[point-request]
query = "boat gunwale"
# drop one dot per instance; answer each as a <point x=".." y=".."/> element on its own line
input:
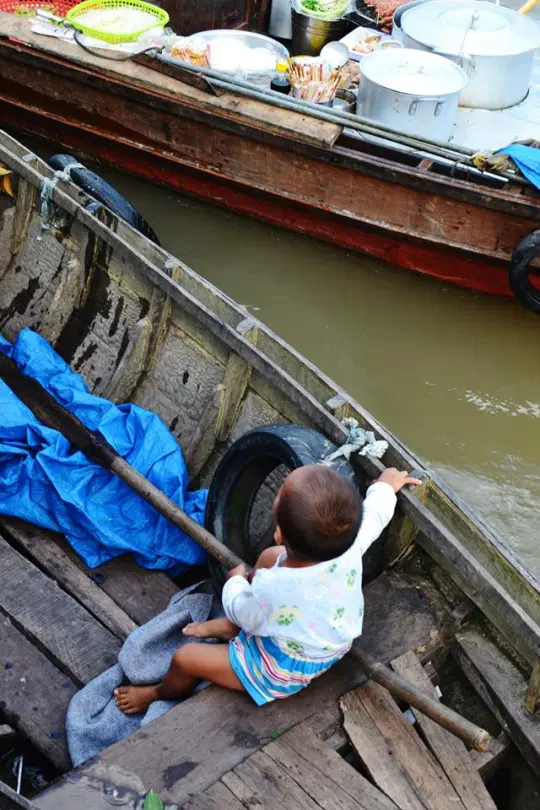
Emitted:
<point x="148" y="258"/>
<point x="385" y="169"/>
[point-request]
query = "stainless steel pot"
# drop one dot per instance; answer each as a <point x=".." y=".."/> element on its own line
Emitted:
<point x="494" y="45"/>
<point x="417" y="93"/>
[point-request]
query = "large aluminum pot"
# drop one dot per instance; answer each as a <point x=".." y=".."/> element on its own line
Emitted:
<point x="494" y="45"/>
<point x="397" y="33"/>
<point x="411" y="91"/>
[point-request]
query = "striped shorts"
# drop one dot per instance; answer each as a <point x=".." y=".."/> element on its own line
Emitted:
<point x="267" y="673"/>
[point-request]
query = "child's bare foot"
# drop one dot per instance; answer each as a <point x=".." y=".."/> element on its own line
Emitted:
<point x="135" y="699"/>
<point x="215" y="628"/>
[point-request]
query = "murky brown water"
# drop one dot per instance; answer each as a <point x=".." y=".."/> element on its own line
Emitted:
<point x="455" y="375"/>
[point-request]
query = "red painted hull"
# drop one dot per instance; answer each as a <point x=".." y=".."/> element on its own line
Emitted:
<point x="448" y="229"/>
<point x="440" y="262"/>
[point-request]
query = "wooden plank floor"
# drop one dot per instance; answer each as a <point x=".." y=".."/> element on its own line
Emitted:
<point x="299" y="771"/>
<point x="60" y="625"/>
<point x="191" y="747"/>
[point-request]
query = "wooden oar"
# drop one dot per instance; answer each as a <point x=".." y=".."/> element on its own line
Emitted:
<point x="49" y="411"/>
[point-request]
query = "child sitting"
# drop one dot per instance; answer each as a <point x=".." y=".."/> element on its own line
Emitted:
<point x="300" y="609"/>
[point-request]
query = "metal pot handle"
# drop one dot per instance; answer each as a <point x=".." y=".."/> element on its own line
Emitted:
<point x="414" y="106"/>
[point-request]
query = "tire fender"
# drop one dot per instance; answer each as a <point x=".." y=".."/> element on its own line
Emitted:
<point x="527" y="250"/>
<point x="240" y="475"/>
<point x="106" y="194"/>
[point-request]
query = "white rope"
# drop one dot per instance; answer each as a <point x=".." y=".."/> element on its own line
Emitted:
<point x="47" y="188"/>
<point x="358" y="441"/>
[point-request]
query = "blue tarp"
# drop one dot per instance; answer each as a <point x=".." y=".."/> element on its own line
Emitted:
<point x="527" y="159"/>
<point x="45" y="481"/>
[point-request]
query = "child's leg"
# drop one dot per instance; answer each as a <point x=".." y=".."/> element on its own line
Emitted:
<point x="190" y="664"/>
<point x="223" y="628"/>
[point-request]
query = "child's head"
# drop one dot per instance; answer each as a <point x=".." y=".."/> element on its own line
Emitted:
<point x="317" y="513"/>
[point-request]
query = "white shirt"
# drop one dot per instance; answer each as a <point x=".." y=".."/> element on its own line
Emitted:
<point x="316" y="611"/>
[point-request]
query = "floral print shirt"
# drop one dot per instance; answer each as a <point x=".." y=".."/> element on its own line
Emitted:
<point x="316" y="611"/>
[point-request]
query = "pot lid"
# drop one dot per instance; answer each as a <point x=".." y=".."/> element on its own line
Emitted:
<point x="471" y="28"/>
<point x="416" y="73"/>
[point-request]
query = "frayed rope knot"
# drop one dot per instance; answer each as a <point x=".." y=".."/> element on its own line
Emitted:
<point x="358" y="441"/>
<point x="47" y="188"/>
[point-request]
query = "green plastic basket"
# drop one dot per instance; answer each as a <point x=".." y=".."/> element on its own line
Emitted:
<point x="161" y="18"/>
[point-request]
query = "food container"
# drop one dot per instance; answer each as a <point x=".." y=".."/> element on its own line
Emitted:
<point x="494" y="45"/>
<point x="411" y="91"/>
<point x="247" y="56"/>
<point x="310" y="34"/>
<point x="363" y="40"/>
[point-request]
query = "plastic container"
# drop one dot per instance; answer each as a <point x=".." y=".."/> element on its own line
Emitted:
<point x="310" y="35"/>
<point x="156" y="18"/>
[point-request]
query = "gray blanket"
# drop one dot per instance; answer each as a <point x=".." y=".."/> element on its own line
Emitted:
<point x="93" y="721"/>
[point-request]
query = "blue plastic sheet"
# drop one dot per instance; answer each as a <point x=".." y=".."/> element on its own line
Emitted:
<point x="527" y="159"/>
<point x="44" y="480"/>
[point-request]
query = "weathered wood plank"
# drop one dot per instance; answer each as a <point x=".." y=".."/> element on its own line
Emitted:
<point x="34" y="695"/>
<point x="310" y="779"/>
<point x="404" y="748"/>
<point x="78" y="643"/>
<point x="451" y="753"/>
<point x="208" y="735"/>
<point x="138" y="592"/>
<point x="270" y="784"/>
<point x="500" y="684"/>
<point x="45" y="549"/>
<point x="217" y="797"/>
<point x="319" y="754"/>
<point x="313" y="779"/>
<point x="377" y="754"/>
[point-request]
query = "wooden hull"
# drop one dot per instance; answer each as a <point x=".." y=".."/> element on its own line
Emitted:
<point x="140" y="326"/>
<point x="141" y="122"/>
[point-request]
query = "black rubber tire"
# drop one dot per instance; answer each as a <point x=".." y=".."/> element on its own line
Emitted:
<point x="105" y="193"/>
<point x="242" y="471"/>
<point x="527" y="250"/>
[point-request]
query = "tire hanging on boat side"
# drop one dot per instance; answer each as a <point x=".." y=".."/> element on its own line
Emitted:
<point x="240" y="476"/>
<point x="105" y="193"/>
<point x="522" y="287"/>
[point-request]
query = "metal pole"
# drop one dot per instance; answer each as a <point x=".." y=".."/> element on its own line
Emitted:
<point x="456" y="154"/>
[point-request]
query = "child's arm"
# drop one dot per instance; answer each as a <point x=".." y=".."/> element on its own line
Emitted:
<point x="379" y="505"/>
<point x="241" y="606"/>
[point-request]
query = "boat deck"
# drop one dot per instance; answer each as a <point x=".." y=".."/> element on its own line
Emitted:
<point x="62" y="624"/>
<point x="343" y="743"/>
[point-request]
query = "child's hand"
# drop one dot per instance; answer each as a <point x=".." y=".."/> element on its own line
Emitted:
<point x="397" y="479"/>
<point x="239" y="571"/>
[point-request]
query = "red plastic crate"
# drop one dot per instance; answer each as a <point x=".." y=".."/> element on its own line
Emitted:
<point x="59" y="7"/>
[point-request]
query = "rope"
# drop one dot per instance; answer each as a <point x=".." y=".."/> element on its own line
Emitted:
<point x="358" y="441"/>
<point x="47" y="187"/>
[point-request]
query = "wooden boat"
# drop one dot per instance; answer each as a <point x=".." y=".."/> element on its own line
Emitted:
<point x="141" y="326"/>
<point x="307" y="175"/>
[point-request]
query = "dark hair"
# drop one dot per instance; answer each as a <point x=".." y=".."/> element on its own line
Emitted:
<point x="318" y="513"/>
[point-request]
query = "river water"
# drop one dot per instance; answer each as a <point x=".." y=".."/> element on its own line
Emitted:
<point x="454" y="374"/>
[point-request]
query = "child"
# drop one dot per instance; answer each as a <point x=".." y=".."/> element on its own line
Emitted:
<point x="301" y="608"/>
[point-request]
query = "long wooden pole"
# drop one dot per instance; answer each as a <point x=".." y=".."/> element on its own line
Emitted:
<point x="49" y="411"/>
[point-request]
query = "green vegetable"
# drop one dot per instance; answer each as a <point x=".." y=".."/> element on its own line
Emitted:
<point x="325" y="9"/>
<point x="152" y="801"/>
